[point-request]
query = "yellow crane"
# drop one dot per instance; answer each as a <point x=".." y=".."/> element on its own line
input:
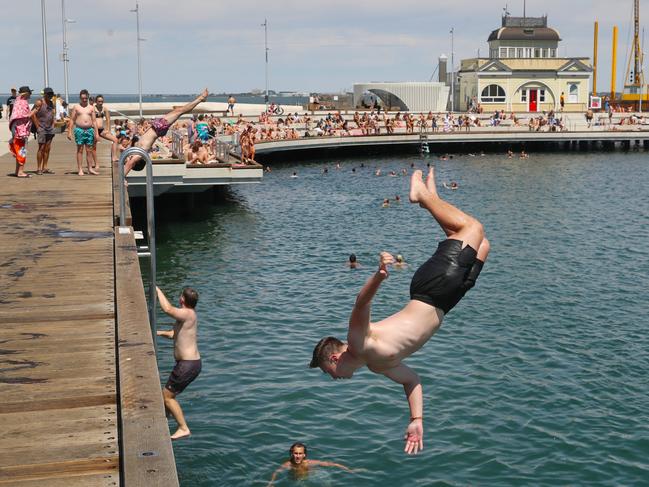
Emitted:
<point x="634" y="86"/>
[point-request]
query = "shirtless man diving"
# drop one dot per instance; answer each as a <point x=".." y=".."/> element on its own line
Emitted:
<point x="188" y="360"/>
<point x="159" y="127"/>
<point x="436" y="288"/>
<point x="85" y="131"/>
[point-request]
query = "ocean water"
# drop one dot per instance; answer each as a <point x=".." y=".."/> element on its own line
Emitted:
<point x="540" y="376"/>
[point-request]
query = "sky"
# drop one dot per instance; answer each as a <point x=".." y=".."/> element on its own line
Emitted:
<point x="313" y="46"/>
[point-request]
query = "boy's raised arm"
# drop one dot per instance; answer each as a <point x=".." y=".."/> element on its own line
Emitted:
<point x="176" y="313"/>
<point x="360" y="316"/>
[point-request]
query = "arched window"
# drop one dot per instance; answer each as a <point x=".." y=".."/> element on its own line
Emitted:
<point x="573" y="92"/>
<point x="493" y="94"/>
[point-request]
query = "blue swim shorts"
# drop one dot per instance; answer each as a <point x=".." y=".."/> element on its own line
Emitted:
<point x="84" y="136"/>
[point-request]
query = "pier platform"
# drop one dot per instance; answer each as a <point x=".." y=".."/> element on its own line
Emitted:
<point x="78" y="374"/>
<point x="460" y="140"/>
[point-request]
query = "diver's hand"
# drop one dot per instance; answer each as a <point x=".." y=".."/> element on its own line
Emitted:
<point x="414" y="437"/>
<point x="385" y="260"/>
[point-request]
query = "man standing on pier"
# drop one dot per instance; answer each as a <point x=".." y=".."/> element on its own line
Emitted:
<point x="85" y="131"/>
<point x="188" y="360"/>
<point x="438" y="285"/>
<point x="43" y="116"/>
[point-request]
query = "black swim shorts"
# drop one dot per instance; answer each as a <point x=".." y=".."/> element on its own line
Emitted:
<point x="446" y="277"/>
<point x="183" y="374"/>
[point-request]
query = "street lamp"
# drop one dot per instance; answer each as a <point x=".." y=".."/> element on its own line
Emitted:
<point x="64" y="55"/>
<point x="139" y="64"/>
<point x="46" y="77"/>
<point x="265" y="26"/>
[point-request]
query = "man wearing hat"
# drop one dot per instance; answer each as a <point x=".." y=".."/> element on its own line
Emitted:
<point x="20" y="123"/>
<point x="43" y="118"/>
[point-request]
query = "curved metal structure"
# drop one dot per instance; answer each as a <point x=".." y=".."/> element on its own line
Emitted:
<point x="407" y="96"/>
<point x="150" y="219"/>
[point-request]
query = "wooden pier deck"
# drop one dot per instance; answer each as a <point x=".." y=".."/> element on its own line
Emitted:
<point x="80" y="390"/>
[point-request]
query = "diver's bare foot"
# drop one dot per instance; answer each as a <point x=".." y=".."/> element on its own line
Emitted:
<point x="92" y="171"/>
<point x="430" y="181"/>
<point x="81" y="173"/>
<point x="418" y="190"/>
<point x="203" y="96"/>
<point x="181" y="433"/>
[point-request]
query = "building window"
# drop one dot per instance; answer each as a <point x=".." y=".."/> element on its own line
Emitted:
<point x="493" y="94"/>
<point x="553" y="52"/>
<point x="519" y="52"/>
<point x="503" y="52"/>
<point x="573" y="93"/>
<point x="528" y="52"/>
<point x="537" y="52"/>
<point x="541" y="96"/>
<point x="511" y="52"/>
<point x="524" y="96"/>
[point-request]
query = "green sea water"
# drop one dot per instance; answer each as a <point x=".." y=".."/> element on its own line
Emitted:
<point x="540" y="376"/>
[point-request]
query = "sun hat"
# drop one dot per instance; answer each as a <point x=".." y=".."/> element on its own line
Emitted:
<point x="24" y="89"/>
<point x="48" y="91"/>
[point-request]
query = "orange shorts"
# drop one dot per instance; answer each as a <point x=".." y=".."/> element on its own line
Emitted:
<point x="18" y="148"/>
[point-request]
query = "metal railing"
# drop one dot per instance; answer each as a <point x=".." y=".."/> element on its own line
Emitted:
<point x="177" y="145"/>
<point x="221" y="149"/>
<point x="150" y="219"/>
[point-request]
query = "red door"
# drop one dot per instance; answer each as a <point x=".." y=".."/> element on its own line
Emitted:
<point x="533" y="104"/>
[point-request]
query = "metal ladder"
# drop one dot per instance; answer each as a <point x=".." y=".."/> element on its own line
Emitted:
<point x="423" y="142"/>
<point x="142" y="251"/>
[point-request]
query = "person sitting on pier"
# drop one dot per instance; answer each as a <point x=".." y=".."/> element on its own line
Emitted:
<point x="438" y="285"/>
<point x="299" y="465"/>
<point x="188" y="359"/>
<point x="159" y="128"/>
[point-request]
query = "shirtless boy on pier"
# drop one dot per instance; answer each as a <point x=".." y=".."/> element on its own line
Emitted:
<point x="188" y="360"/>
<point x="436" y="288"/>
<point x="85" y="131"/>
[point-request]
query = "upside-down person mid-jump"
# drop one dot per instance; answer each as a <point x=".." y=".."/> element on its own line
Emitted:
<point x="437" y="286"/>
<point x="160" y="126"/>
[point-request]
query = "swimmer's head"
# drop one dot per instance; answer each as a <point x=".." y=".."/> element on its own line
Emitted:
<point x="399" y="258"/>
<point x="352" y="258"/>
<point x="326" y="355"/>
<point x="297" y="453"/>
<point x="189" y="297"/>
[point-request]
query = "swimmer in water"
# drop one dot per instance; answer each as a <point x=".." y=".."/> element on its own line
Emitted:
<point x="397" y="199"/>
<point x="294" y="175"/>
<point x="352" y="263"/>
<point x="386" y="203"/>
<point x="299" y="465"/>
<point x="524" y="155"/>
<point x="437" y="286"/>
<point x="400" y="263"/>
<point x="377" y="172"/>
<point x="452" y="185"/>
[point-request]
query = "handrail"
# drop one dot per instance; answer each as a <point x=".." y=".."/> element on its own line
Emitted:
<point x="177" y="144"/>
<point x="150" y="219"/>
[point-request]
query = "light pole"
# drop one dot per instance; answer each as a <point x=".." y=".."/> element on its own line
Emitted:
<point x="265" y="26"/>
<point x="452" y="70"/>
<point x="139" y="63"/>
<point x="46" y="76"/>
<point x="64" y="54"/>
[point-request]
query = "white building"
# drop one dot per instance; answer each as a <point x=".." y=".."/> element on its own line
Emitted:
<point x="405" y="96"/>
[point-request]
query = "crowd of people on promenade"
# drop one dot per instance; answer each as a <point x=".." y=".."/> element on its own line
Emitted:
<point x="89" y="121"/>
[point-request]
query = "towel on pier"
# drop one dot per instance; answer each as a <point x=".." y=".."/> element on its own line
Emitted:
<point x="20" y="122"/>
